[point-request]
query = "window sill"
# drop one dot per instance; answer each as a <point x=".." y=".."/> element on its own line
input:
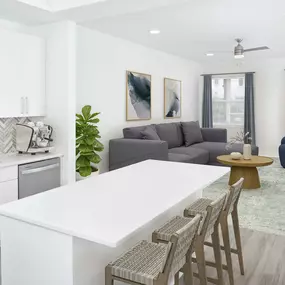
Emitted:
<point x="228" y="126"/>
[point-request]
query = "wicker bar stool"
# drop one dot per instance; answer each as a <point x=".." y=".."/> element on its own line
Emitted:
<point x="163" y="235"/>
<point x="230" y="208"/>
<point x="209" y="227"/>
<point x="151" y="263"/>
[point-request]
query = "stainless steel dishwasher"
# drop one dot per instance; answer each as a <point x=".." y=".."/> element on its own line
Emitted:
<point x="38" y="177"/>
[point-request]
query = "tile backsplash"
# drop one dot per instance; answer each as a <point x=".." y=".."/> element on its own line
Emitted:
<point x="8" y="133"/>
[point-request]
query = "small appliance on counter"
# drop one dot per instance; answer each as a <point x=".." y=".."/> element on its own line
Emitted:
<point x="33" y="138"/>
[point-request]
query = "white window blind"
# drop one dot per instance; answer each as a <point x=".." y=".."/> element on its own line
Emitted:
<point x="228" y="100"/>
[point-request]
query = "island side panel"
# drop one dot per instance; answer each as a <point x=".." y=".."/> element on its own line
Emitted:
<point x="34" y="255"/>
<point x="90" y="259"/>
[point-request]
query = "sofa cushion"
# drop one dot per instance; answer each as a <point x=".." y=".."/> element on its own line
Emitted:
<point x="171" y="133"/>
<point x="178" y="157"/>
<point x="149" y="133"/>
<point x="196" y="155"/>
<point x="218" y="148"/>
<point x="134" y="132"/>
<point x="192" y="133"/>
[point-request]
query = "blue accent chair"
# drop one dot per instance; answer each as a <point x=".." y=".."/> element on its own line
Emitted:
<point x="282" y="152"/>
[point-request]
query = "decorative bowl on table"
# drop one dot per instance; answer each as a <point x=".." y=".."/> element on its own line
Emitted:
<point x="236" y="155"/>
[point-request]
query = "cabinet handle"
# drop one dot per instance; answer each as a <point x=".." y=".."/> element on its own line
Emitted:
<point x="40" y="169"/>
<point x="27" y="105"/>
<point x="22" y="105"/>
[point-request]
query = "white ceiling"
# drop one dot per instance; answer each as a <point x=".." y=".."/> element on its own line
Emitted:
<point x="189" y="28"/>
<point x="58" y="5"/>
<point x="195" y="27"/>
<point x="35" y="12"/>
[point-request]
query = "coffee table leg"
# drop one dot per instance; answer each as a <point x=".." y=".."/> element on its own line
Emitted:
<point x="250" y="175"/>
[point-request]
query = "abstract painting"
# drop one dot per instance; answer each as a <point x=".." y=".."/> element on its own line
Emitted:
<point x="172" y="98"/>
<point x="138" y="96"/>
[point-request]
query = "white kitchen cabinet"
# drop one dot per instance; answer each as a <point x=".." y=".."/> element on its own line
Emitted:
<point x="8" y="184"/>
<point x="8" y="191"/>
<point x="22" y="73"/>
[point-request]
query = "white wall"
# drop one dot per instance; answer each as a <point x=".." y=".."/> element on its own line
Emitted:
<point x="269" y="98"/>
<point x="12" y="26"/>
<point x="102" y="61"/>
<point x="61" y="89"/>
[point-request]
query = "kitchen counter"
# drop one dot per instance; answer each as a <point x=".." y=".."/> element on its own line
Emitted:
<point x="71" y="233"/>
<point x="17" y="159"/>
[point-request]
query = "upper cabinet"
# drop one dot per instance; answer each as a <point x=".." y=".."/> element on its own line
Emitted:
<point x="22" y="75"/>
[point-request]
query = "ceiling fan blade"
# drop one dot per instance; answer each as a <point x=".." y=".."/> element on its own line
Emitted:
<point x="256" y="49"/>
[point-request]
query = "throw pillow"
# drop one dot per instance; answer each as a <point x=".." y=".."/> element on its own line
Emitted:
<point x="149" y="133"/>
<point x="192" y="133"/>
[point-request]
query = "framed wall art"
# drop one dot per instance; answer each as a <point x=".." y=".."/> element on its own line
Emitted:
<point x="138" y="101"/>
<point x="172" y="98"/>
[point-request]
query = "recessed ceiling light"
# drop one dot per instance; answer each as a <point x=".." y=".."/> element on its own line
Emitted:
<point x="209" y="54"/>
<point x="154" y="32"/>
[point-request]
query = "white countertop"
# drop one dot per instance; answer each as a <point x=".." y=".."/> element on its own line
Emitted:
<point x="108" y="208"/>
<point x="17" y="159"/>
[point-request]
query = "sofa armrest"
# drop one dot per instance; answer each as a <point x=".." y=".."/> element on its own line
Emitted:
<point x="214" y="135"/>
<point x="123" y="152"/>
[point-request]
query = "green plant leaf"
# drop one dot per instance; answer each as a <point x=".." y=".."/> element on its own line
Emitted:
<point x="85" y="171"/>
<point x="86" y="111"/>
<point x="98" y="144"/>
<point x="94" y="121"/>
<point x="80" y="117"/>
<point x="99" y="148"/>
<point x="94" y="115"/>
<point x="92" y="131"/>
<point x="80" y="122"/>
<point x="87" y="153"/>
<point x="85" y="148"/>
<point x="77" y="151"/>
<point x="79" y="140"/>
<point x="90" y="140"/>
<point x="82" y="161"/>
<point x="95" y="158"/>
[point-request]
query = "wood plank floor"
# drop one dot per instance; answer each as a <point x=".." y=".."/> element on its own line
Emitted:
<point x="264" y="260"/>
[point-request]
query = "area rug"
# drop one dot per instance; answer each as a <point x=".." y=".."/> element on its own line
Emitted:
<point x="262" y="209"/>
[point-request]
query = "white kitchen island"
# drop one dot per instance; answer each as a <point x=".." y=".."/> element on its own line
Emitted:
<point x="68" y="235"/>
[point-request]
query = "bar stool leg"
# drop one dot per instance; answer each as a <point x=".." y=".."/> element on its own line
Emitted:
<point x="108" y="277"/>
<point x="188" y="274"/>
<point x="176" y="279"/>
<point x="227" y="246"/>
<point x="238" y="240"/>
<point x="218" y="256"/>
<point x="201" y="262"/>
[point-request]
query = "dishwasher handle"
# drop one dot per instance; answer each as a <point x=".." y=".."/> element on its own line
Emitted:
<point x="40" y="169"/>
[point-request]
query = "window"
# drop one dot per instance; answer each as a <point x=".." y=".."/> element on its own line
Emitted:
<point x="228" y="100"/>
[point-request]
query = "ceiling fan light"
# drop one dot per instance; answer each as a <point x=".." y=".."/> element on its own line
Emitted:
<point x="239" y="56"/>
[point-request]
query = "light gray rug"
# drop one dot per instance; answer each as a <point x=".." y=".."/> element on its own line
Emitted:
<point x="262" y="209"/>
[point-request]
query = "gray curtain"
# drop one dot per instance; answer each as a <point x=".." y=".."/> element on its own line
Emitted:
<point x="249" y="117"/>
<point x="207" y="109"/>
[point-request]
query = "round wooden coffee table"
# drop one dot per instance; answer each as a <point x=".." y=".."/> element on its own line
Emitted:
<point x="246" y="169"/>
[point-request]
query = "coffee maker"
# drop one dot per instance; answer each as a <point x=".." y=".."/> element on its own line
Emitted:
<point x="33" y="138"/>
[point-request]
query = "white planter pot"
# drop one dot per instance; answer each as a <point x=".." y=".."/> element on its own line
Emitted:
<point x="79" y="177"/>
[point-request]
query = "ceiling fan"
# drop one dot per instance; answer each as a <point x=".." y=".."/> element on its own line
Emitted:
<point x="239" y="50"/>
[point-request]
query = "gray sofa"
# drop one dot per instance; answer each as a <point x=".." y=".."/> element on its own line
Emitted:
<point x="170" y="146"/>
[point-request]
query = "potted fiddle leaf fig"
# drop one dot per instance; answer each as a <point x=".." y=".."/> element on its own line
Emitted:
<point x="87" y="143"/>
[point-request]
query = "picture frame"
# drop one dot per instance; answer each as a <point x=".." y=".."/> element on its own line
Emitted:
<point x="172" y="98"/>
<point x="138" y="96"/>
